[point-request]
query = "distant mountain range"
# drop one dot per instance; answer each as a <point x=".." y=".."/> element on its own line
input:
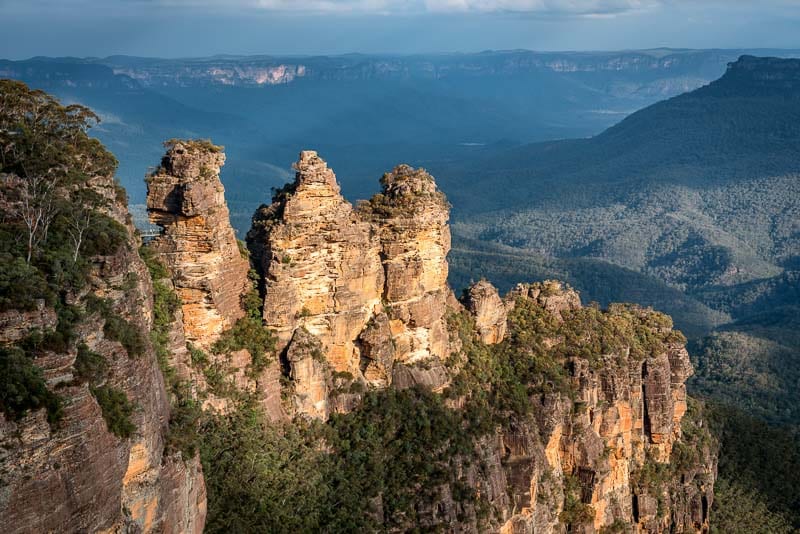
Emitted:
<point x="364" y="113"/>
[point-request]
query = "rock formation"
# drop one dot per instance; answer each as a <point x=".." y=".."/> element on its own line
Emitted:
<point x="588" y="458"/>
<point x="207" y="270"/>
<point x="411" y="218"/>
<point x="624" y="421"/>
<point x="186" y="199"/>
<point x="369" y="284"/>
<point x="358" y="299"/>
<point x="490" y="312"/>
<point x="321" y="264"/>
<point x="78" y="476"/>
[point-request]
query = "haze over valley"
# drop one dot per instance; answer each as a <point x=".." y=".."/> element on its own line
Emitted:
<point x="469" y="266"/>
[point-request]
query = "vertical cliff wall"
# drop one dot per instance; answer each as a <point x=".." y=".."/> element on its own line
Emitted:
<point x="78" y="476"/>
<point x="208" y="271"/>
<point x="613" y="443"/>
<point x="186" y="199"/>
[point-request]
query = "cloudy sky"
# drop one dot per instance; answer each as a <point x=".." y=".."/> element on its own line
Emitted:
<point x="181" y="28"/>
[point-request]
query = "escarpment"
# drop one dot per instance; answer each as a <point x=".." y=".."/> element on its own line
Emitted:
<point x="96" y="458"/>
<point x="526" y="413"/>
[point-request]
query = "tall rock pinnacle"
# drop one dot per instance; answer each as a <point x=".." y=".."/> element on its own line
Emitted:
<point x="186" y="198"/>
<point x="321" y="263"/>
<point x="369" y="284"/>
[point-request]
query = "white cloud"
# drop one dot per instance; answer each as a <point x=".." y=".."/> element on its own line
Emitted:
<point x="582" y="7"/>
<point x="576" y="7"/>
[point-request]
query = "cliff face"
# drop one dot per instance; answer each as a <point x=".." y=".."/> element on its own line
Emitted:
<point x="186" y="199"/>
<point x="368" y="284"/>
<point x="617" y="444"/>
<point x="78" y="476"/>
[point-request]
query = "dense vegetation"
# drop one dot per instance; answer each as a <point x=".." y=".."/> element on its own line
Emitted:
<point x="54" y="224"/>
<point x="596" y="281"/>
<point x="383" y="465"/>
<point x="697" y="194"/>
<point x="758" y="489"/>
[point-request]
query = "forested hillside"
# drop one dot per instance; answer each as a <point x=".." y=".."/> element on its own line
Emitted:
<point x="693" y="206"/>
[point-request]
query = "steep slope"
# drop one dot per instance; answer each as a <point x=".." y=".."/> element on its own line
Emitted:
<point x="699" y="192"/>
<point x="742" y="125"/>
<point x="84" y="427"/>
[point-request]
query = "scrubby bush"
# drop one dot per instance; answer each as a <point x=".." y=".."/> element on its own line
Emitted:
<point x="117" y="410"/>
<point x="89" y="365"/>
<point x="118" y="328"/>
<point x="22" y="387"/>
<point x="22" y="286"/>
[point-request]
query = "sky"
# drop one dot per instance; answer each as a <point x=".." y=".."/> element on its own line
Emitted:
<point x="187" y="28"/>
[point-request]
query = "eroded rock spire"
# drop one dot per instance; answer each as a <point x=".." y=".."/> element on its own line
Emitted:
<point x="186" y="199"/>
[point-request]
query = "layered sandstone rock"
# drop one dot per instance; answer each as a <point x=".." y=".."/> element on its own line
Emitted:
<point x="625" y="419"/>
<point x="369" y="284"/>
<point x="410" y="215"/>
<point x="186" y="199"/>
<point x="78" y="476"/>
<point x="490" y="313"/>
<point x="321" y="264"/>
<point x="308" y="371"/>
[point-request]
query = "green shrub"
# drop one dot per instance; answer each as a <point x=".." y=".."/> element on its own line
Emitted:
<point x="117" y="410"/>
<point x="103" y="237"/>
<point x="575" y="511"/>
<point x="23" y="388"/>
<point x="156" y="268"/>
<point x="117" y="328"/>
<point x="248" y="333"/>
<point x="195" y="144"/>
<point x="89" y="365"/>
<point x="184" y="421"/>
<point x="21" y="285"/>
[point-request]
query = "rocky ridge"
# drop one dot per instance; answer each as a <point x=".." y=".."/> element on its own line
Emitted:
<point x="359" y="296"/>
<point x="593" y="437"/>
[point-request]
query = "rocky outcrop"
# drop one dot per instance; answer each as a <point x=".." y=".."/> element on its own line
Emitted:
<point x="551" y="295"/>
<point x="620" y="429"/>
<point x="321" y="264"/>
<point x="484" y="303"/>
<point x="368" y="284"/>
<point x="16" y="324"/>
<point x="186" y="199"/>
<point x="309" y="374"/>
<point x="77" y="476"/>
<point x="410" y="215"/>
